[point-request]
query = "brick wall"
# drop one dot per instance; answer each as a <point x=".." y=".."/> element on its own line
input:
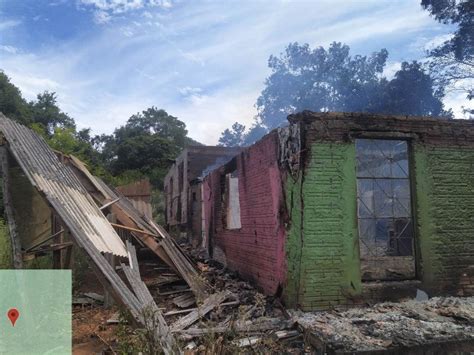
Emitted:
<point x="327" y="272"/>
<point x="445" y="216"/>
<point x="256" y="250"/>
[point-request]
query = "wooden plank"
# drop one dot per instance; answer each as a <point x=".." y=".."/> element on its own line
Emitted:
<point x="185" y="300"/>
<point x="95" y="296"/>
<point x="239" y="327"/>
<point x="151" y="315"/>
<point x="136" y="230"/>
<point x="109" y="204"/>
<point x="183" y="264"/>
<point x="208" y="305"/>
<point x="182" y="311"/>
<point x="8" y="207"/>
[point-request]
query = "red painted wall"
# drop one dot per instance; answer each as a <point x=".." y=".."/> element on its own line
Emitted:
<point x="256" y="250"/>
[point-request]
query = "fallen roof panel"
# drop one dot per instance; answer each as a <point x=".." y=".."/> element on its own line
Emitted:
<point x="61" y="187"/>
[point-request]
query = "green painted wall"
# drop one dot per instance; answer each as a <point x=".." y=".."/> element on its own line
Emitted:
<point x="294" y="239"/>
<point x="322" y="246"/>
<point x="444" y="180"/>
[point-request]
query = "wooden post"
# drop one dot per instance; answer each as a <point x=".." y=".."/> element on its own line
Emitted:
<point x="58" y="239"/>
<point x="7" y="203"/>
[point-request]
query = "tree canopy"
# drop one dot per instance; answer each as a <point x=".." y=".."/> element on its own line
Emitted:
<point x="452" y="62"/>
<point x="332" y="80"/>
<point x="146" y="145"/>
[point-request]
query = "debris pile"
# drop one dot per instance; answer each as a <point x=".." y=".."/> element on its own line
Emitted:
<point x="235" y="315"/>
<point x="385" y="326"/>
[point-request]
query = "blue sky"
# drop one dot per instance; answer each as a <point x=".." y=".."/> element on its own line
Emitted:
<point x="202" y="61"/>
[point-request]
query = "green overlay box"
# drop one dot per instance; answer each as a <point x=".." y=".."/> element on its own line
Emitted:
<point x="42" y="324"/>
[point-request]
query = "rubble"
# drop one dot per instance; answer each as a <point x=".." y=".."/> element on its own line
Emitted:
<point x="389" y="325"/>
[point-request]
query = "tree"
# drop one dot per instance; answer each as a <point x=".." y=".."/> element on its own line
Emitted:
<point x="412" y="92"/>
<point x="12" y="103"/>
<point x="333" y="80"/>
<point x="319" y="80"/>
<point x="147" y="144"/>
<point x="255" y="132"/>
<point x="452" y="62"/>
<point x="46" y="112"/>
<point x="233" y="137"/>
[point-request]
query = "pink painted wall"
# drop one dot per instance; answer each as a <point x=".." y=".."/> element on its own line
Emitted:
<point x="256" y="250"/>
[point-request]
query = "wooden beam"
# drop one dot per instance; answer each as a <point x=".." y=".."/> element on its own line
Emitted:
<point x="208" y="305"/>
<point x="131" y="229"/>
<point x="8" y="205"/>
<point x="44" y="241"/>
<point x="109" y="204"/>
<point x="151" y="315"/>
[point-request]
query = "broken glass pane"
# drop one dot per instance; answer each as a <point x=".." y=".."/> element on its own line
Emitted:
<point x="400" y="159"/>
<point x="383" y="198"/>
<point x="367" y="238"/>
<point x="401" y="198"/>
<point x="365" y="192"/>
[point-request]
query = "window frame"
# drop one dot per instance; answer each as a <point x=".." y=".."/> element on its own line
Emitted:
<point x="408" y="138"/>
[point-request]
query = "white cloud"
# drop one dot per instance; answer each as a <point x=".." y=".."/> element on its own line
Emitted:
<point x="9" y="49"/>
<point x="101" y="17"/>
<point x="188" y="90"/>
<point x="436" y="41"/>
<point x="390" y="69"/>
<point x="104" y="10"/>
<point x="115" y="6"/>
<point x="9" y="24"/>
<point x="206" y="116"/>
<point x="457" y="102"/>
<point x="147" y="14"/>
<point x="32" y="85"/>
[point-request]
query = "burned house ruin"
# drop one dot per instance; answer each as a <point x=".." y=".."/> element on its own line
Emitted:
<point x="343" y="208"/>
<point x="182" y="184"/>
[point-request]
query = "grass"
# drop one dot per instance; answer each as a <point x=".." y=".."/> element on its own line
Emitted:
<point x="6" y="261"/>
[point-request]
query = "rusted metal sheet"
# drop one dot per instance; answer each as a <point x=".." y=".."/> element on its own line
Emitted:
<point x="151" y="235"/>
<point x="60" y="186"/>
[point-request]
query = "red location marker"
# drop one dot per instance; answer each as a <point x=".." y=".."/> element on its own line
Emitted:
<point x="13" y="315"/>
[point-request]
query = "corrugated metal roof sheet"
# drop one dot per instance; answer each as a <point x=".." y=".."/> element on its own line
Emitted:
<point x="61" y="187"/>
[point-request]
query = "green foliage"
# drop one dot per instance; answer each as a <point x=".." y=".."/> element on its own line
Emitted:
<point x="332" y="80"/>
<point x="46" y="112"/>
<point x="452" y="62"/>
<point x="233" y="137"/>
<point x="411" y="92"/>
<point x="460" y="13"/>
<point x="144" y="147"/>
<point x="319" y="80"/>
<point x="12" y="103"/>
<point x="6" y="261"/>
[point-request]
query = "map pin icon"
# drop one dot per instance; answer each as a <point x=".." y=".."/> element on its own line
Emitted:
<point x="13" y="315"/>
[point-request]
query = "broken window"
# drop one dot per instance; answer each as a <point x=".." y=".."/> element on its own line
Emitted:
<point x="232" y="201"/>
<point x="384" y="209"/>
